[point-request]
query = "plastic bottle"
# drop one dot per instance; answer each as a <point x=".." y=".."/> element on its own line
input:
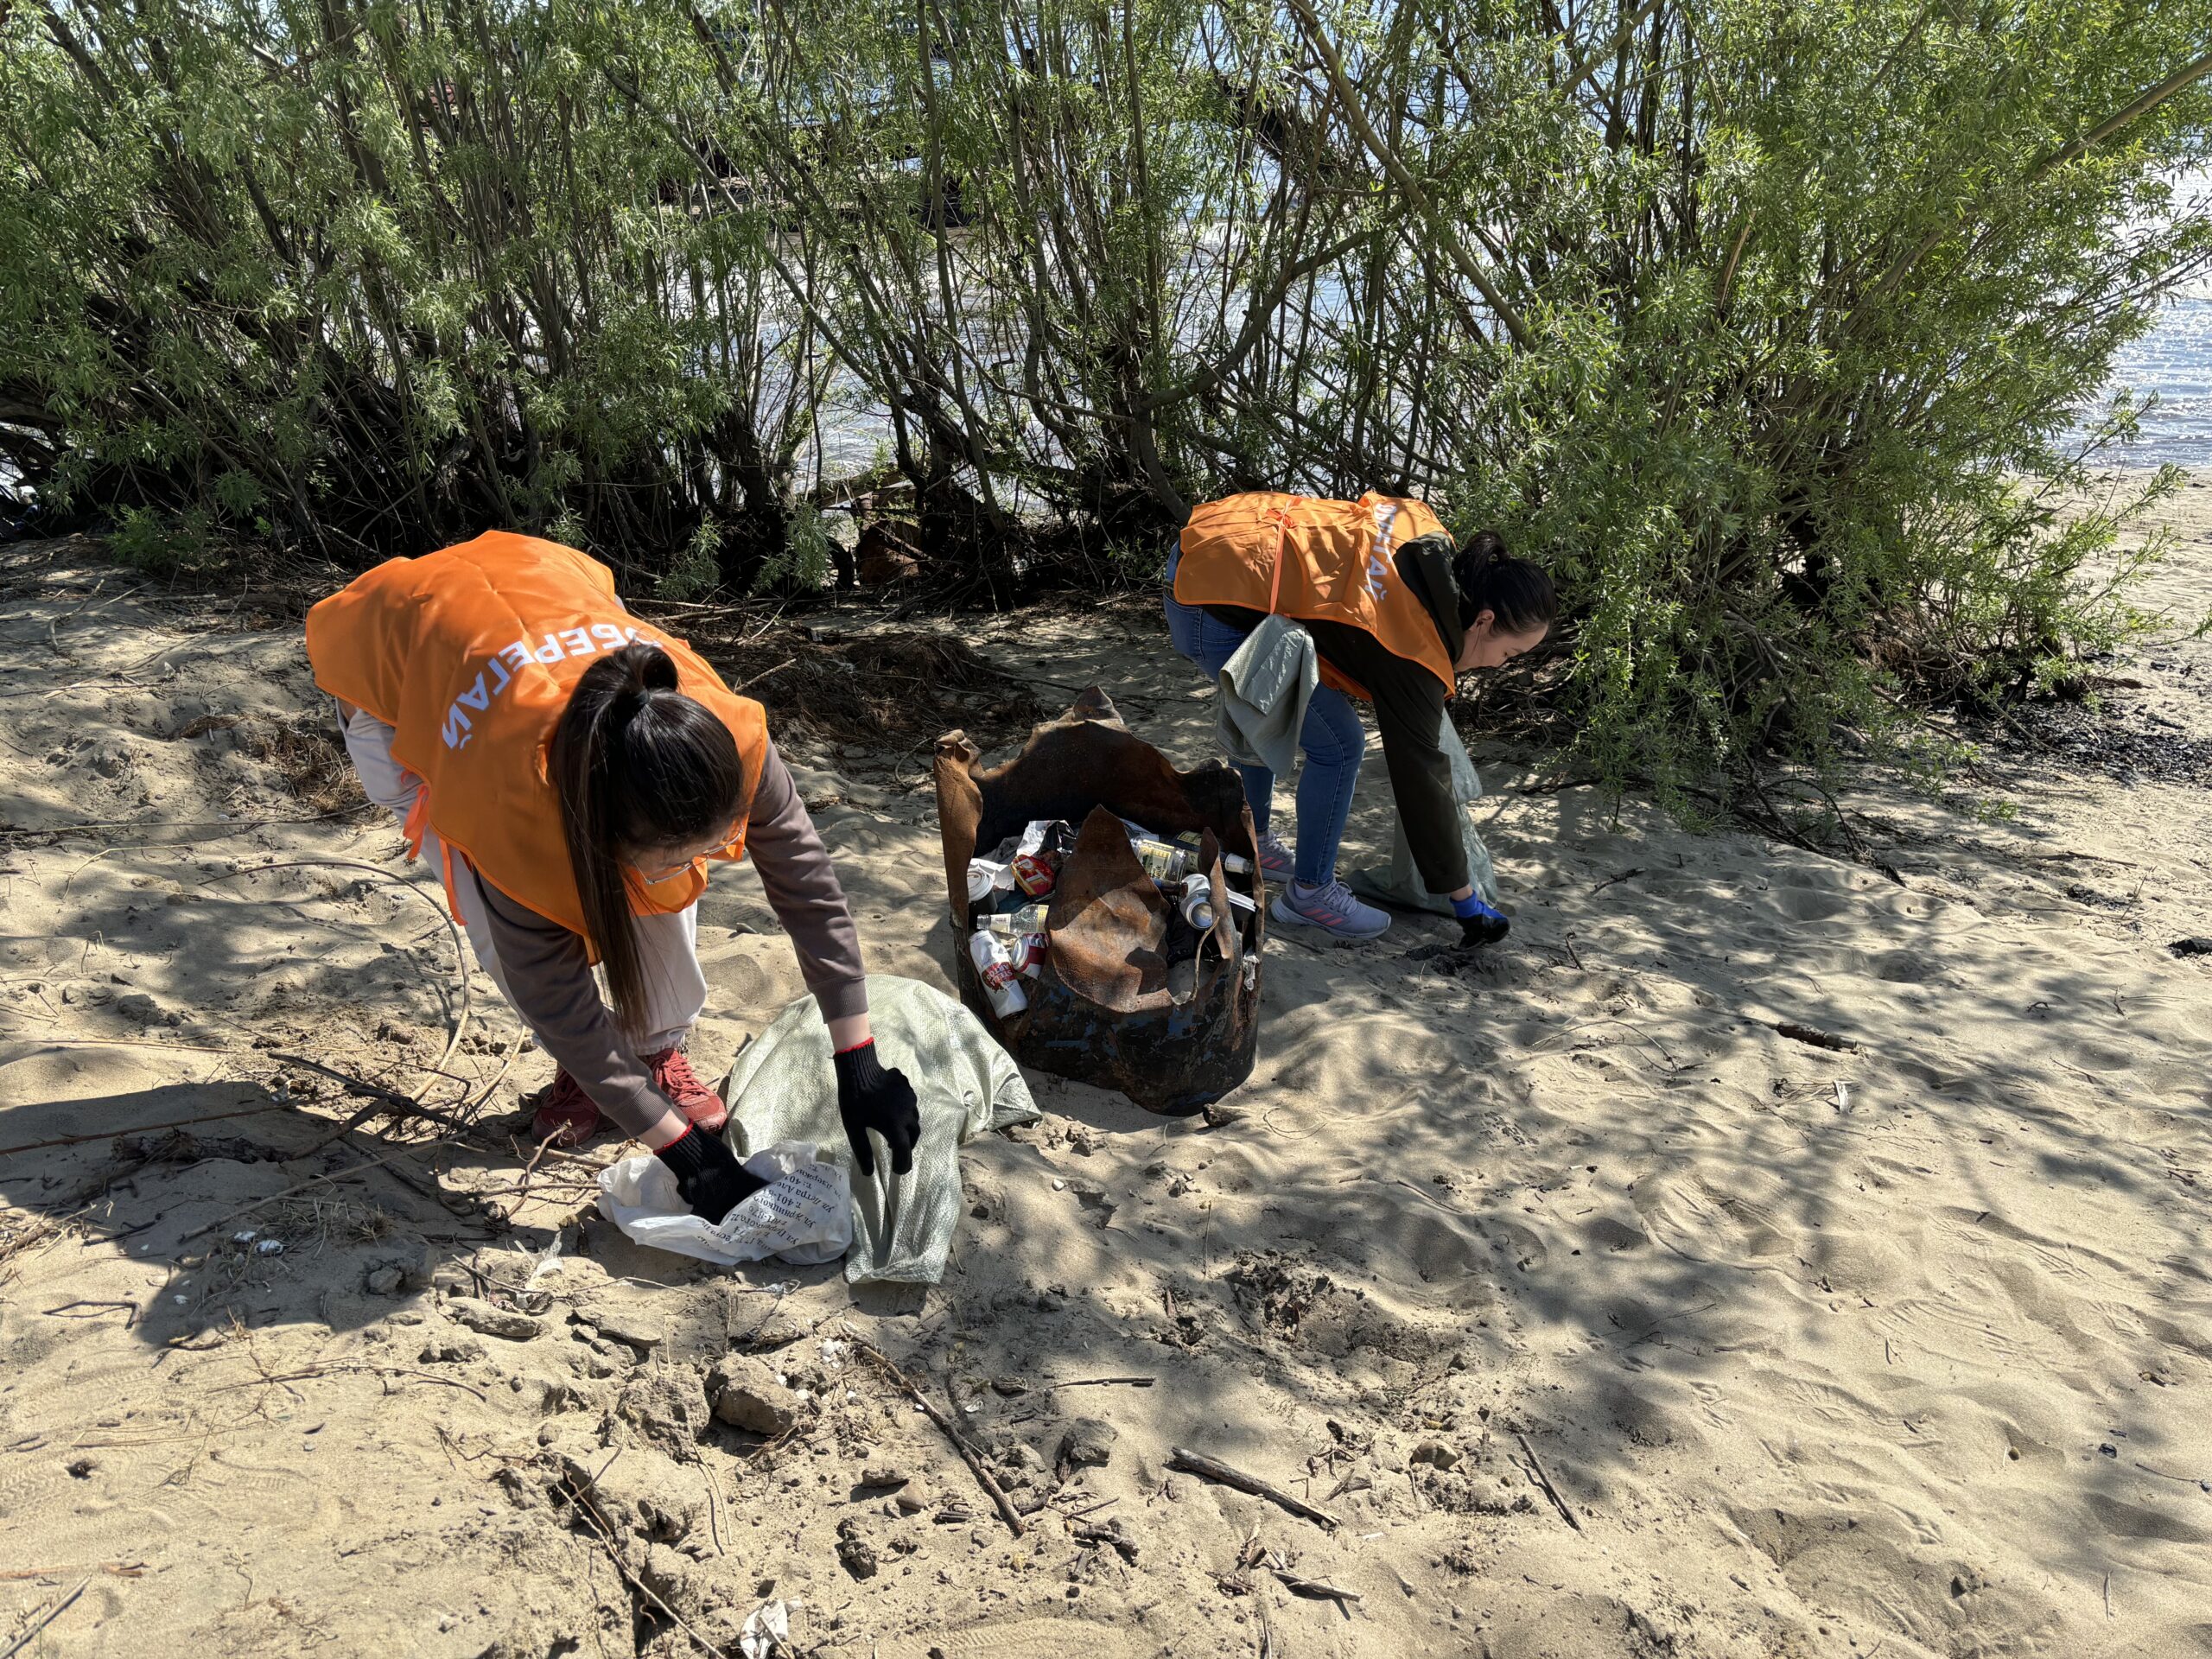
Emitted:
<point x="1230" y="861"/>
<point x="1162" y="861"/>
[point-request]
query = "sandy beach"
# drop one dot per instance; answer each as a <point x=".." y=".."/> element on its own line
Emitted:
<point x="1762" y="1256"/>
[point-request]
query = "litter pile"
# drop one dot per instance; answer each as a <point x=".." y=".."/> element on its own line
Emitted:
<point x="1007" y="907"/>
<point x="1106" y="922"/>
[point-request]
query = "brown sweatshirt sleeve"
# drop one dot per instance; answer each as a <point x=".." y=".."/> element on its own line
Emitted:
<point x="803" y="889"/>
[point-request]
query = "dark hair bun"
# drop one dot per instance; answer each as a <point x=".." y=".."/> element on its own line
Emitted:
<point x="654" y="669"/>
<point x="1517" y="595"/>
<point x="1485" y="547"/>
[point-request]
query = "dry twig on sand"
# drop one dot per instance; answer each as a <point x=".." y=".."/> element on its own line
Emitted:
<point x="1536" y="1467"/>
<point x="1316" y="1590"/>
<point x="58" y="1608"/>
<point x="936" y="1415"/>
<point x="1797" y="1034"/>
<point x="587" y="1509"/>
<point x="1206" y="1468"/>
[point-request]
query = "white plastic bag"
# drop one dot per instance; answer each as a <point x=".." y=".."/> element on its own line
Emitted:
<point x="804" y="1215"/>
<point x="767" y="1631"/>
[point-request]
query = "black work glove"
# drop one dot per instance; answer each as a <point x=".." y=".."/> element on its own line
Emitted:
<point x="1478" y="923"/>
<point x="870" y="1098"/>
<point x="708" y="1174"/>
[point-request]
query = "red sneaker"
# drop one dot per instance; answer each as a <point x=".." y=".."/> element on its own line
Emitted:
<point x="673" y="1076"/>
<point x="565" y="1115"/>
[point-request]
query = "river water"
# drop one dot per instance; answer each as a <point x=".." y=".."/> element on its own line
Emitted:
<point x="2174" y="361"/>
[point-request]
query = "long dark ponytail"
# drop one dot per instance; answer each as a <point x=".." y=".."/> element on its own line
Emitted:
<point x="1518" y="593"/>
<point x="635" y="764"/>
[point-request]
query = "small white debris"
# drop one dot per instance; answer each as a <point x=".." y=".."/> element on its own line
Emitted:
<point x="179" y="1299"/>
<point x="270" y="1247"/>
<point x="246" y="1236"/>
<point x="767" y="1629"/>
<point x="1059" y="1185"/>
<point x="546" y="1260"/>
<point x="833" y="1351"/>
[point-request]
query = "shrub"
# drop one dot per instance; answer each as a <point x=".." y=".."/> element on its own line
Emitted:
<point x="1766" y="325"/>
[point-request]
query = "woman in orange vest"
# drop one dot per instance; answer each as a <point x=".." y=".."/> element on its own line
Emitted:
<point x="571" y="769"/>
<point x="1396" y="614"/>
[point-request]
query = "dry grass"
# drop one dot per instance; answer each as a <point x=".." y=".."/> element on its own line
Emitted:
<point x="21" y="1230"/>
<point x="885" y="689"/>
<point x="306" y="1225"/>
<point x="303" y="749"/>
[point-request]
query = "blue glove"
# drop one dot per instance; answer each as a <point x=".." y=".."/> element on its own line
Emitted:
<point x="1479" y="923"/>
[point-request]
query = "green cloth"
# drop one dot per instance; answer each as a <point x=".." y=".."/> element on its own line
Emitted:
<point x="1265" y="687"/>
<point x="783" y="1087"/>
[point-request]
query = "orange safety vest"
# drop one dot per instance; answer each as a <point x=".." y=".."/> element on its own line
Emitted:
<point x="1316" y="561"/>
<point x="470" y="654"/>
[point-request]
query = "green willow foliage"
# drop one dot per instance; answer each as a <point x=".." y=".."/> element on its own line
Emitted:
<point x="1760" y="321"/>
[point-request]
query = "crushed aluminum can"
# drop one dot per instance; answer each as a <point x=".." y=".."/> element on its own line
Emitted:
<point x="1195" y="902"/>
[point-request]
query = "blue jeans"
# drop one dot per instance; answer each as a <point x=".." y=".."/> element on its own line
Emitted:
<point x="1331" y="739"/>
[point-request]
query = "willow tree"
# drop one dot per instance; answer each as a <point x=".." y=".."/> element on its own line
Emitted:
<point x="367" y="278"/>
<point x="1768" y="326"/>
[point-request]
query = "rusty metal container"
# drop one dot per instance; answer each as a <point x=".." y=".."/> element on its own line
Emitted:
<point x="1101" y="1008"/>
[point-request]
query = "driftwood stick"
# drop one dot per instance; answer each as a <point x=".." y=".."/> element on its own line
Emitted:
<point x="53" y="1613"/>
<point x="1213" y="1469"/>
<point x="1105" y="1381"/>
<point x="1797" y="1034"/>
<point x="413" y="1107"/>
<point x="936" y="1415"/>
<point x="1314" y="1589"/>
<point x="1536" y="1467"/>
<point x="381" y="1097"/>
